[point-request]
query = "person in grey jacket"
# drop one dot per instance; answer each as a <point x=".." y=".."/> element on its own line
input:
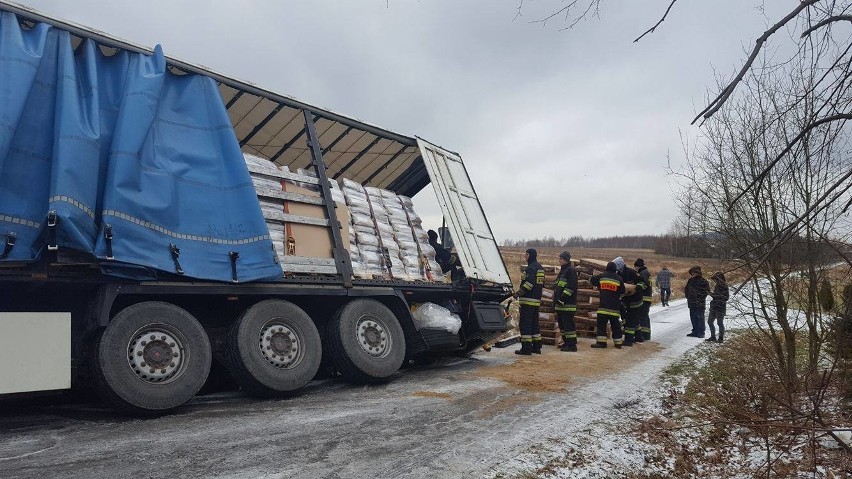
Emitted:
<point x="664" y="282"/>
<point x="719" y="299"/>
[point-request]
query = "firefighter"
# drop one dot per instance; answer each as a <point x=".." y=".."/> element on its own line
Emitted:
<point x="611" y="288"/>
<point x="644" y="283"/>
<point x="529" y="299"/>
<point x="632" y="306"/>
<point x="565" y="301"/>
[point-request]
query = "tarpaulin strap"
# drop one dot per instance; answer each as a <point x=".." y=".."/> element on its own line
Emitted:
<point x="175" y="257"/>
<point x="52" y="221"/>
<point x="108" y="240"/>
<point x="234" y="255"/>
<point x="10" y="243"/>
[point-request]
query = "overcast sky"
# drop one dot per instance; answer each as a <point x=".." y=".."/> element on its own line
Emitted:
<point x="563" y="132"/>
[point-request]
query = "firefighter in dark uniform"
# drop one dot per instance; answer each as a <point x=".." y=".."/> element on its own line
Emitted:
<point x="632" y="306"/>
<point x="529" y="299"/>
<point x="644" y="283"/>
<point x="565" y="301"/>
<point x="611" y="288"/>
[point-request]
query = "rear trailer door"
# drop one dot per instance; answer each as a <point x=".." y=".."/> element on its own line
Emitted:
<point x="474" y="241"/>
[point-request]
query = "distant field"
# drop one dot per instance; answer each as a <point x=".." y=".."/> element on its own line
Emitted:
<point x="514" y="258"/>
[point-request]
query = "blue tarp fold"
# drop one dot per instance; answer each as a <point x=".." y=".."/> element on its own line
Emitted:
<point x="120" y="141"/>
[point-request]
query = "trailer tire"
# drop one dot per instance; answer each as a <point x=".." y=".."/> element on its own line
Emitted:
<point x="290" y="348"/>
<point x="151" y="358"/>
<point x="366" y="341"/>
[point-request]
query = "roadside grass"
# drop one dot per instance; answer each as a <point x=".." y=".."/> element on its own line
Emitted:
<point x="722" y="418"/>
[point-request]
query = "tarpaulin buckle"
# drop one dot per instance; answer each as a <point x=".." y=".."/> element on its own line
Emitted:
<point x="108" y="238"/>
<point x="234" y="255"/>
<point x="10" y="243"/>
<point x="175" y="256"/>
<point x="52" y="221"/>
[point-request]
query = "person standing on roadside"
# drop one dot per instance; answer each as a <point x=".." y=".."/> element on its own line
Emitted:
<point x="611" y="287"/>
<point x="718" y="302"/>
<point x="529" y="299"/>
<point x="664" y="282"/>
<point x="643" y="332"/>
<point x="565" y="301"/>
<point x="696" y="291"/>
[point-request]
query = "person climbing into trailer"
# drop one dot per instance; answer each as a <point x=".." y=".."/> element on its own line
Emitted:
<point x="643" y="333"/>
<point x="529" y="299"/>
<point x="611" y="288"/>
<point x="565" y="301"/>
<point x="719" y="299"/>
<point x="447" y="260"/>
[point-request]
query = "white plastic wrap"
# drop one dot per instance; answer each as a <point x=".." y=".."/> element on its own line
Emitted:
<point x="433" y="316"/>
<point x="259" y="162"/>
<point x="265" y="183"/>
<point x="360" y="219"/>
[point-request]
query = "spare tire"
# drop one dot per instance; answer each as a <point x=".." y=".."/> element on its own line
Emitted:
<point x="274" y="348"/>
<point x="151" y="358"/>
<point x="366" y="342"/>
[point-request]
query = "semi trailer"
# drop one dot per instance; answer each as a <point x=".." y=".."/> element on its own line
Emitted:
<point x="137" y="249"/>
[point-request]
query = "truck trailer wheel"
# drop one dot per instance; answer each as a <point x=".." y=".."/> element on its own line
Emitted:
<point x="366" y="341"/>
<point x="274" y="348"/>
<point x="151" y="358"/>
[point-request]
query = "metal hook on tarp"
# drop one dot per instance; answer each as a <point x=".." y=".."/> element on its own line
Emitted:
<point x="10" y="243"/>
<point x="175" y="257"/>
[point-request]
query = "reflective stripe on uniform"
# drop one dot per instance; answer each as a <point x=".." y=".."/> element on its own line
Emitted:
<point x="536" y="337"/>
<point x="569" y="334"/>
<point x="646" y="299"/>
<point x="601" y="339"/>
<point x="618" y="341"/>
<point x="526" y="339"/>
<point x="568" y="308"/>
<point x="608" y="312"/>
<point x="529" y="302"/>
<point x="527" y="285"/>
<point x="637" y="304"/>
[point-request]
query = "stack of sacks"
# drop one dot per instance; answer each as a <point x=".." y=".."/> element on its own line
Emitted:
<point x="386" y="236"/>
<point x="419" y="236"/>
<point x="364" y="250"/>
<point x="265" y="186"/>
<point x="336" y="194"/>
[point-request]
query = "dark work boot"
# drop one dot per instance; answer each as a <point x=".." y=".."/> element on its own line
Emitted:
<point x="599" y="345"/>
<point x="628" y="340"/>
<point x="646" y="335"/>
<point x="721" y="337"/>
<point x="536" y="347"/>
<point x="572" y="347"/>
<point x="711" y="339"/>
<point x="638" y="337"/>
<point x="526" y="349"/>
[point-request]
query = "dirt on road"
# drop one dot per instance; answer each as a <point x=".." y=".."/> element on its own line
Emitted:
<point x="554" y="370"/>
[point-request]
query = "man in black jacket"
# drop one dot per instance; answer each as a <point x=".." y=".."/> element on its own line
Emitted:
<point x="696" y="291"/>
<point x="565" y="301"/>
<point x="632" y="306"/>
<point x="611" y="288"/>
<point x="643" y="333"/>
<point x="529" y="299"/>
<point x="719" y="299"/>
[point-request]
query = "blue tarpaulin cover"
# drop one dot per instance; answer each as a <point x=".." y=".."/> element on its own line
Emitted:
<point x="120" y="141"/>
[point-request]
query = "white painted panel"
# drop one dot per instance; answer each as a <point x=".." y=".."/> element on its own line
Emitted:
<point x="36" y="350"/>
<point x="474" y="241"/>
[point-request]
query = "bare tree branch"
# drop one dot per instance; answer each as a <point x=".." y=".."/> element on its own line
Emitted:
<point x="723" y="96"/>
<point x="651" y="30"/>
<point x="836" y="18"/>
<point x="790" y="145"/>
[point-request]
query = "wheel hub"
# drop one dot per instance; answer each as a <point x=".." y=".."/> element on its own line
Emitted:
<point x="155" y="355"/>
<point x="373" y="337"/>
<point x="279" y="345"/>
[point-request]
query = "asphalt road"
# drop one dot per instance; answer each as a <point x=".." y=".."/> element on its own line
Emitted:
<point x="446" y="420"/>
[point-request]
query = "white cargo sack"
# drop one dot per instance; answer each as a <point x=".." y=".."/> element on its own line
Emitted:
<point x="432" y="316"/>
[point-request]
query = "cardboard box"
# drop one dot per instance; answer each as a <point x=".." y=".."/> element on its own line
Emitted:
<point x="311" y="240"/>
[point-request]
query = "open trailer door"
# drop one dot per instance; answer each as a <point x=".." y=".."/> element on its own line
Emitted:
<point x="474" y="241"/>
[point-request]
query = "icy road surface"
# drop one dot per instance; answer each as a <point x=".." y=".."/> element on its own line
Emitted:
<point x="458" y="418"/>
